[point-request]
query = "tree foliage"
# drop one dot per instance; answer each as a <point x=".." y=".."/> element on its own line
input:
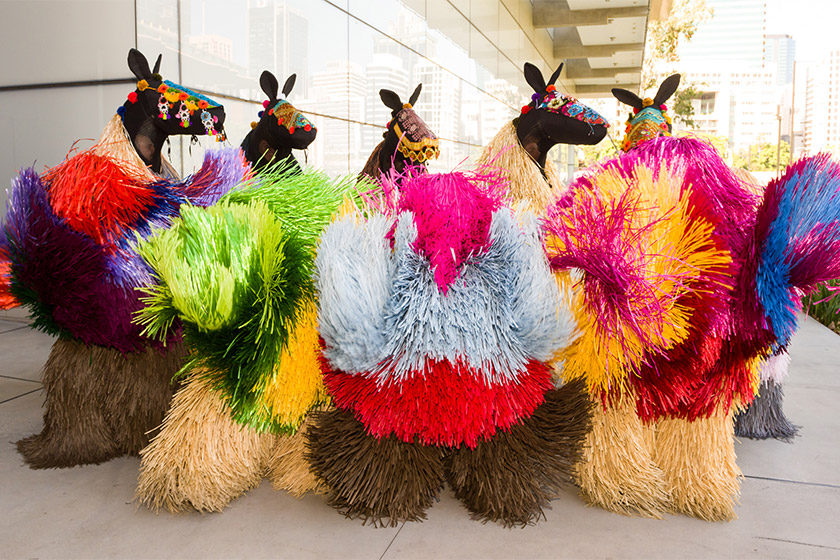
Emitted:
<point x="762" y="157"/>
<point x="661" y="58"/>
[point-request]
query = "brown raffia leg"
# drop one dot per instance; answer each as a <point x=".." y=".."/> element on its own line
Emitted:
<point x="382" y="480"/>
<point x="288" y="468"/>
<point x="617" y="471"/>
<point x="201" y="458"/>
<point x="511" y="477"/>
<point x="99" y="403"/>
<point x="698" y="459"/>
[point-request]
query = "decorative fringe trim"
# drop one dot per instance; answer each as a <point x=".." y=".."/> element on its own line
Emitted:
<point x="764" y="418"/>
<point x="384" y="481"/>
<point x="288" y="468"/>
<point x="505" y="153"/>
<point x="511" y="477"/>
<point x="100" y="403"/>
<point x="698" y="459"/>
<point x="617" y="471"/>
<point x="201" y="459"/>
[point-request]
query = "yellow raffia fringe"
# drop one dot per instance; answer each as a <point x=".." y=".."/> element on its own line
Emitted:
<point x="296" y="382"/>
<point x="674" y="246"/>
<point x="288" y="468"/>
<point x="617" y="471"/>
<point x="115" y="143"/>
<point x="201" y="459"/>
<point x="698" y="459"/>
<point x="505" y="153"/>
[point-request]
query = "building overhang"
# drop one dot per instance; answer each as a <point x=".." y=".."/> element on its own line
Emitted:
<point x="601" y="41"/>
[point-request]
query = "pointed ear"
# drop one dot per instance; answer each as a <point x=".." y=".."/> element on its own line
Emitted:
<point x="290" y="83"/>
<point x="156" y="69"/>
<point x="534" y="77"/>
<point x="416" y="95"/>
<point x="390" y="99"/>
<point x="555" y="75"/>
<point x="138" y="65"/>
<point x="667" y="89"/>
<point x="268" y="83"/>
<point x="627" y="97"/>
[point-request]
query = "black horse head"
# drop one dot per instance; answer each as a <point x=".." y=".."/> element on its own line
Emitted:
<point x="281" y="128"/>
<point x="407" y="139"/>
<point x="648" y="119"/>
<point x="555" y="118"/>
<point x="159" y="108"/>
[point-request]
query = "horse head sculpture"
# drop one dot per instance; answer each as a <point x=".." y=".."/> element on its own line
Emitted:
<point x="407" y="140"/>
<point x="648" y="119"/>
<point x="554" y="118"/>
<point x="281" y="127"/>
<point x="159" y="108"/>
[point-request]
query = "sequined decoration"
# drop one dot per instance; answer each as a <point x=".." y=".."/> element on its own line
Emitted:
<point x="556" y="102"/>
<point x="290" y="117"/>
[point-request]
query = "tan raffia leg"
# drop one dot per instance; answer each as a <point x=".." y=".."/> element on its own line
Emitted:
<point x="201" y="458"/>
<point x="617" y="471"/>
<point x="288" y="469"/>
<point x="698" y="459"/>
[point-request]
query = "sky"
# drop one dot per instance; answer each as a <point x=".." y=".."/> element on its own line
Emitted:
<point x="813" y="24"/>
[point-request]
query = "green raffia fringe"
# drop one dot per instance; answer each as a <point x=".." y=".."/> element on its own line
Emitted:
<point x="238" y="275"/>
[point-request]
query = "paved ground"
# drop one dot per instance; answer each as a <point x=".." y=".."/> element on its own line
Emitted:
<point x="790" y="498"/>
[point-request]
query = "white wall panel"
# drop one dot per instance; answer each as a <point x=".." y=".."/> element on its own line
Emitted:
<point x="47" y="41"/>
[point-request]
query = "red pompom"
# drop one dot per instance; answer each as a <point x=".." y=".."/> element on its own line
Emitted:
<point x="636" y="110"/>
<point x="663" y="107"/>
<point x="132" y="97"/>
<point x="292" y="130"/>
<point x="265" y="104"/>
<point x="525" y="109"/>
<point x="550" y="88"/>
<point x="307" y="128"/>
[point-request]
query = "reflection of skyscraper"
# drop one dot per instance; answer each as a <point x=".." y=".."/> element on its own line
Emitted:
<point x="385" y="71"/>
<point x="278" y="41"/>
<point x="440" y="103"/>
<point x="339" y="90"/>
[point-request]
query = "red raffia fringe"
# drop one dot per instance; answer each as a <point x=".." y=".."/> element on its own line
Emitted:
<point x="97" y="195"/>
<point x="444" y="404"/>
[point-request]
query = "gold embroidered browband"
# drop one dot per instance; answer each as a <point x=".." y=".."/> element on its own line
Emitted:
<point x="420" y="151"/>
<point x="417" y="142"/>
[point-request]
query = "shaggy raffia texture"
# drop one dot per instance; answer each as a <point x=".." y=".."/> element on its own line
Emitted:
<point x="288" y="468"/>
<point x="382" y="480"/>
<point x="7" y="300"/>
<point x="115" y="142"/>
<point x="698" y="460"/>
<point x="201" y="459"/>
<point x="511" y="477"/>
<point x="238" y="277"/>
<point x="617" y="470"/>
<point x="505" y="153"/>
<point x="765" y="417"/>
<point x="100" y="403"/>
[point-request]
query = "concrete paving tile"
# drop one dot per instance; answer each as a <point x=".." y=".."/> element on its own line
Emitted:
<point x="10" y="388"/>
<point x="24" y="353"/>
<point x="18" y="314"/>
<point x="774" y="522"/>
<point x="814" y="353"/>
<point x="6" y="326"/>
<point x="813" y="456"/>
<point x="87" y="512"/>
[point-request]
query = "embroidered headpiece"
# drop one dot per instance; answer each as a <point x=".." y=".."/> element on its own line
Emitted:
<point x="417" y="142"/>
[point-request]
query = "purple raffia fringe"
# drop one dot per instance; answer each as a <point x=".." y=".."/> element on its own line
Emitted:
<point x="78" y="288"/>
